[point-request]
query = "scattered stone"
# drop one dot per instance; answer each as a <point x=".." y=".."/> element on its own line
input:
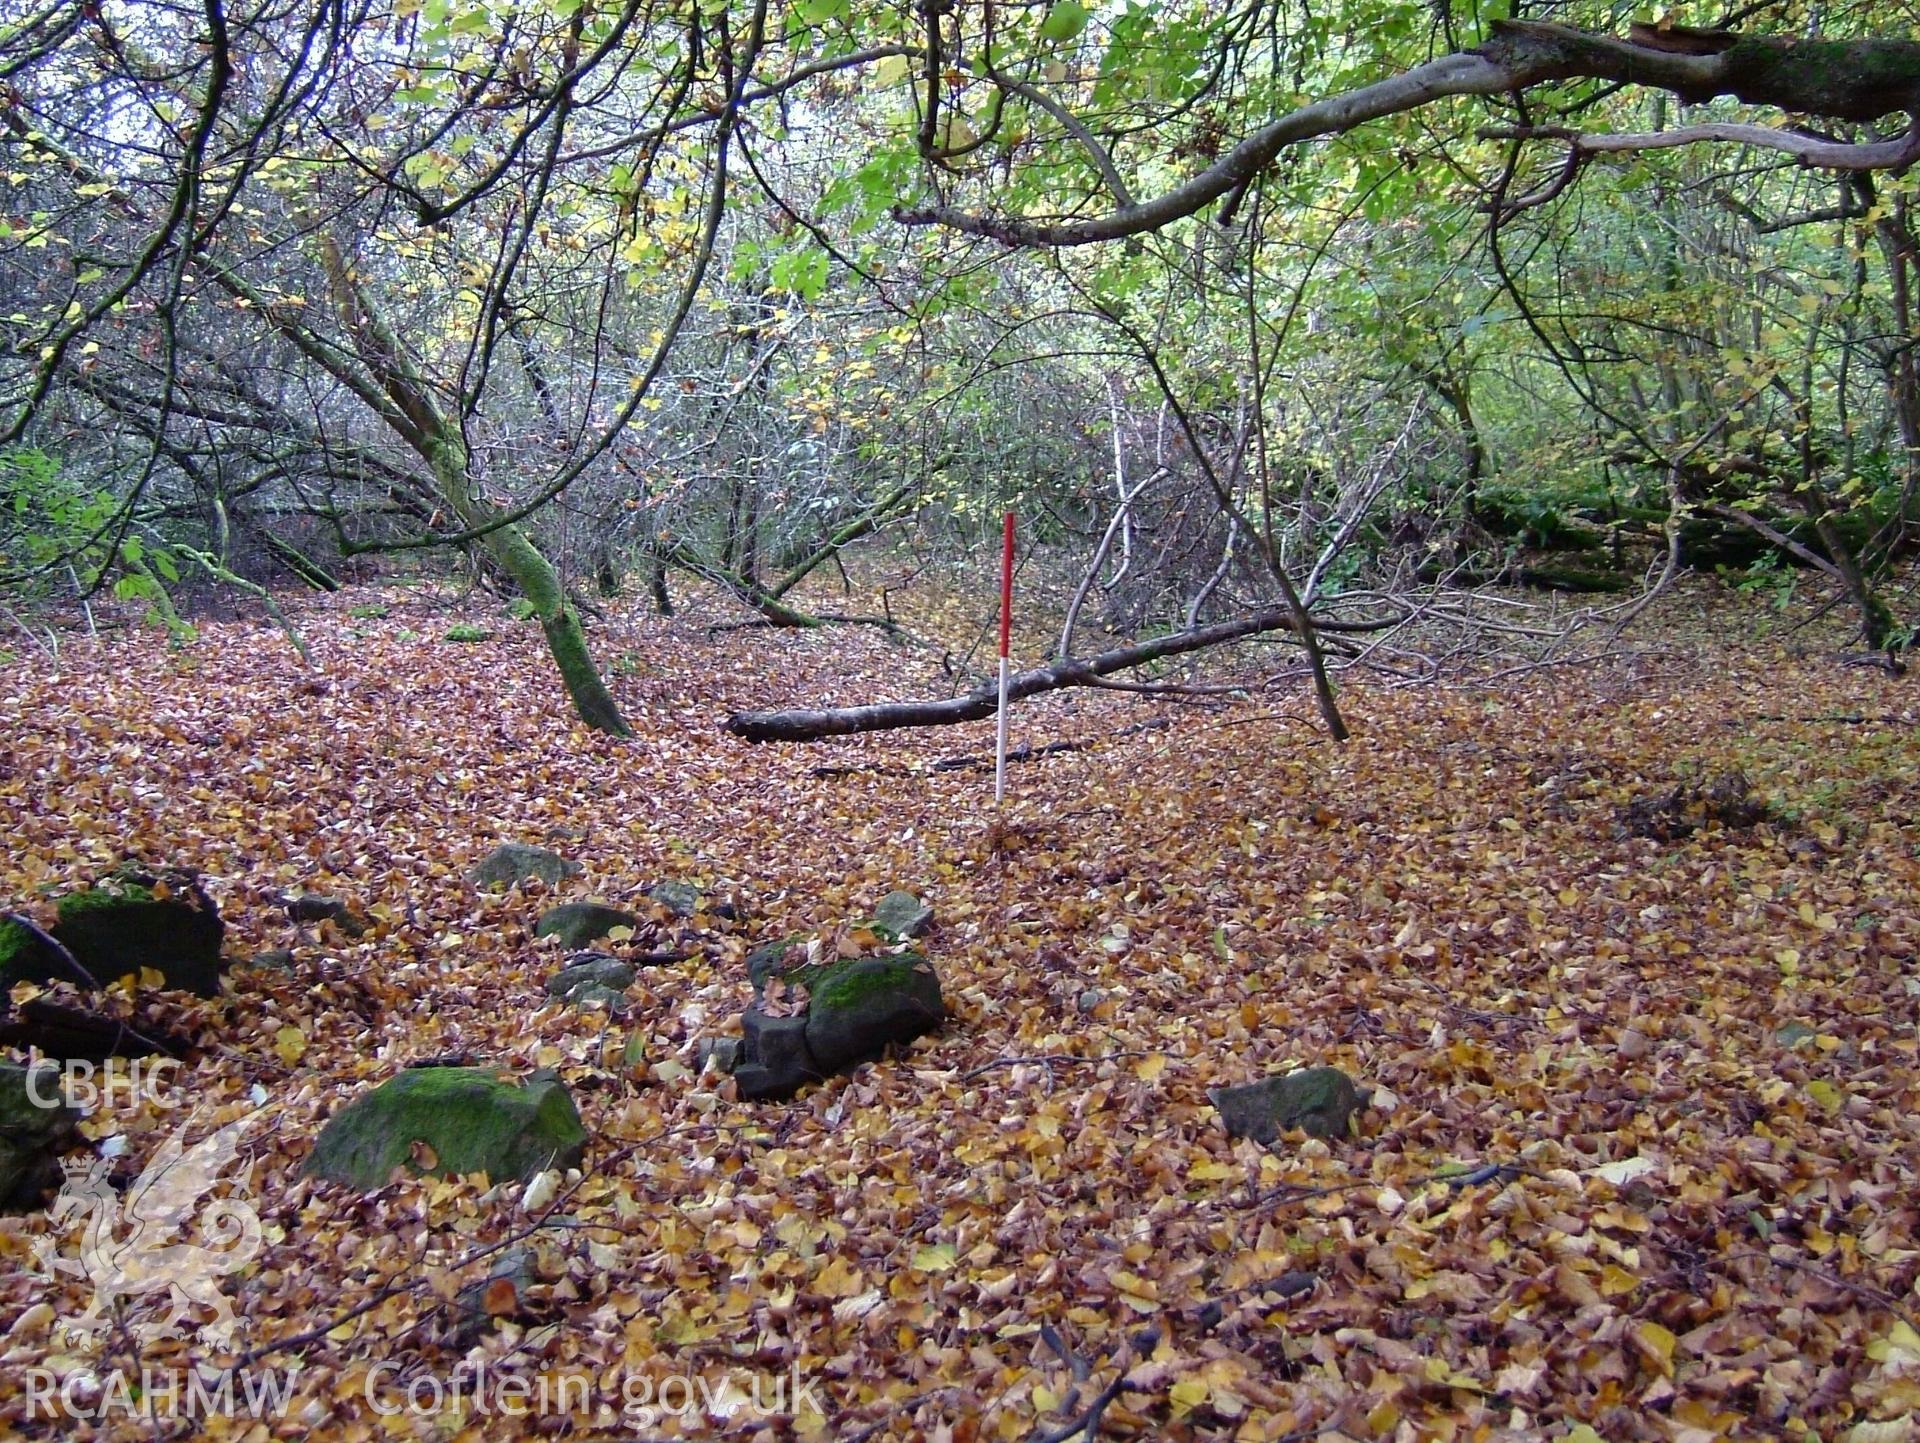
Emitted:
<point x="312" y="907"/>
<point x="901" y="916"/>
<point x="32" y="1136"/>
<point x="274" y="959"/>
<point x="1794" y="1033"/>
<point x="1633" y="1044"/>
<point x="722" y="1054"/>
<point x="785" y="956"/>
<point x="592" y="977"/>
<point x="1089" y="1000"/>
<point x="511" y="863"/>
<point x="1321" y="1101"/>
<point x="135" y="918"/>
<point x="774" y="1061"/>
<point x="450" y="1122"/>
<point x="580" y="924"/>
<point x="500" y="1294"/>
<point x="858" y="1007"/>
<point x="680" y="898"/>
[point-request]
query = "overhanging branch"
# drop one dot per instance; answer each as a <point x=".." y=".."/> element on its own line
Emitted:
<point x="1854" y="80"/>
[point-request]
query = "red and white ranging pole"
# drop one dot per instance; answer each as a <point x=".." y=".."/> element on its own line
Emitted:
<point x="1006" y="636"/>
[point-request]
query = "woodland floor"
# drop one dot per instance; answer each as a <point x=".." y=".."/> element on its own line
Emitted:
<point x="1702" y="1228"/>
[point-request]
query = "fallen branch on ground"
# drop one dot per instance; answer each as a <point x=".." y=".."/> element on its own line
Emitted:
<point x="803" y="724"/>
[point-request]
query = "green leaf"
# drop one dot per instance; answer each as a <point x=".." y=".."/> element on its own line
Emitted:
<point x="1064" y="22"/>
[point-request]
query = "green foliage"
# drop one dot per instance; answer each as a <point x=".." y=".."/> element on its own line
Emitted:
<point x="372" y="611"/>
<point x="1771" y="577"/>
<point x="55" y="522"/>
<point x="467" y="633"/>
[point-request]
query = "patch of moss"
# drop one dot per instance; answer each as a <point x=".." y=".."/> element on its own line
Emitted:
<point x="840" y="984"/>
<point x="13" y="941"/>
<point x="89" y="898"/>
<point x="463" y="631"/>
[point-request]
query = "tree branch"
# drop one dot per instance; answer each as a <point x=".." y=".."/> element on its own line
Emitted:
<point x="1859" y="80"/>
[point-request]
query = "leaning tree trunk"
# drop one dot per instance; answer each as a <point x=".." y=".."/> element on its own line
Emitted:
<point x="538" y="582"/>
<point x="406" y="402"/>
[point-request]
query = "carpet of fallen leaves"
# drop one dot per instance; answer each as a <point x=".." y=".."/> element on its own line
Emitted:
<point x="1640" y="1161"/>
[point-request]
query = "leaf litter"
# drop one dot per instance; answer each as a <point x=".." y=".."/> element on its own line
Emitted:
<point x="1639" y="1160"/>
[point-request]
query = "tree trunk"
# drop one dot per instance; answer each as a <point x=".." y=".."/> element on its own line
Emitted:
<point x="509" y="547"/>
<point x="662" y="598"/>
<point x="403" y="398"/>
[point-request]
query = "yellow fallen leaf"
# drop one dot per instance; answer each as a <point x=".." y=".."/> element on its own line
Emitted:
<point x="1656" y="1343"/>
<point x="1900" y="1339"/>
<point x="1187" y="1394"/>
<point x="1616" y="1281"/>
<point x="1830" y="1098"/>
<point x="934" y="1257"/>
<point x="1148" y="1069"/>
<point x="291" y="1044"/>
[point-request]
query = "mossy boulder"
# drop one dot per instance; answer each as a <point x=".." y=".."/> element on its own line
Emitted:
<point x="1321" y="1101"/>
<point x="451" y="1122"/>
<point x="32" y="1134"/>
<point x="849" y="1011"/>
<point x="135" y="918"/>
<point x="580" y="924"/>
<point x="514" y="862"/>
<point x="901" y="915"/>
<point x="858" y="1007"/>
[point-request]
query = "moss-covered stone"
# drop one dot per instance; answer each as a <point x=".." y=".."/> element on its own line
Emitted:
<point x="93" y="899"/>
<point x="858" y="1007"/>
<point x="125" y="923"/>
<point x="580" y="924"/>
<point x="23" y="956"/>
<point x="32" y="1135"/>
<point x="451" y="1121"/>
<point x="1321" y="1101"/>
<point x="592" y="977"/>
<point x="854" y="1008"/>
<point x="514" y="862"/>
<point x="785" y="959"/>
